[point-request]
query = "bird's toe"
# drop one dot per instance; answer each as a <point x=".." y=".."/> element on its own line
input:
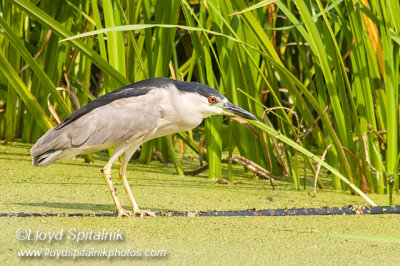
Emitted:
<point x="143" y="213"/>
<point x="124" y="213"/>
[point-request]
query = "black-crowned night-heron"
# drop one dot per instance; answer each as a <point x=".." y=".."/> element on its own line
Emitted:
<point x="125" y="118"/>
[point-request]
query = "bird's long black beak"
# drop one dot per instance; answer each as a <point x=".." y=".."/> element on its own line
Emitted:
<point x="236" y="110"/>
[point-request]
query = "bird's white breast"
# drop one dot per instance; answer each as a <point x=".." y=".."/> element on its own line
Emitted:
<point x="178" y="113"/>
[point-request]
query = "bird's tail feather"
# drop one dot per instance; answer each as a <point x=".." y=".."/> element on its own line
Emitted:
<point x="46" y="158"/>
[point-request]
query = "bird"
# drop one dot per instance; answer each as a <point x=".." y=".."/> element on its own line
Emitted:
<point x="125" y="118"/>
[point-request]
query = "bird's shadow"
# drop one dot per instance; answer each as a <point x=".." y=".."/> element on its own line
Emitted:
<point x="84" y="206"/>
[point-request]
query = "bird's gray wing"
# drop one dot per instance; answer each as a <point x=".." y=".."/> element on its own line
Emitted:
<point x="119" y="121"/>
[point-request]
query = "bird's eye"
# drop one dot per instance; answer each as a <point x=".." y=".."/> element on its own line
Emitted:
<point x="212" y="99"/>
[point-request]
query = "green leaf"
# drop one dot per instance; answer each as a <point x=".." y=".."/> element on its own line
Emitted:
<point x="255" y="6"/>
<point x="47" y="83"/>
<point x="23" y="92"/>
<point x="56" y="27"/>
<point x="309" y="154"/>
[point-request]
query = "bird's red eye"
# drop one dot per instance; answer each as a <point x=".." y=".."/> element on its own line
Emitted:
<point x="212" y="99"/>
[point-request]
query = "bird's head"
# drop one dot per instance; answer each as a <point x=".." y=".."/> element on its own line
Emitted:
<point x="210" y="101"/>
<point x="221" y="105"/>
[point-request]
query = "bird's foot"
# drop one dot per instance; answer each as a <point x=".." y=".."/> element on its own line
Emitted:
<point x="143" y="213"/>
<point x="138" y="213"/>
<point x="124" y="213"/>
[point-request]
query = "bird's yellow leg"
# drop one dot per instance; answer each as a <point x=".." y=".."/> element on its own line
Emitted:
<point x="118" y="151"/>
<point x="122" y="176"/>
<point x="107" y="177"/>
<point x="136" y="210"/>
